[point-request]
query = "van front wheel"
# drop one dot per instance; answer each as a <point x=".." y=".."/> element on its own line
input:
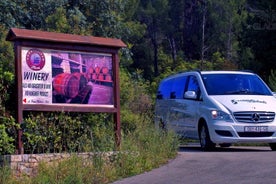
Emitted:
<point x="204" y="138"/>
<point x="272" y="146"/>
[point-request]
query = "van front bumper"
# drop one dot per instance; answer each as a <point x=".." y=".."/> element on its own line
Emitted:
<point x="233" y="132"/>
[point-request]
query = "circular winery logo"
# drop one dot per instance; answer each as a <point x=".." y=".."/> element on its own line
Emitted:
<point x="35" y="59"/>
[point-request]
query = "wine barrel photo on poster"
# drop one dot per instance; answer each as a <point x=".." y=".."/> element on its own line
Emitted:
<point x="66" y="84"/>
<point x="82" y="80"/>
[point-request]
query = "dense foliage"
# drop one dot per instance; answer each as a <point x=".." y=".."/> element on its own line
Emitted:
<point x="162" y="37"/>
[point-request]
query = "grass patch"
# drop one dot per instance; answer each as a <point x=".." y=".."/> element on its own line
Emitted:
<point x="5" y="175"/>
<point x="142" y="150"/>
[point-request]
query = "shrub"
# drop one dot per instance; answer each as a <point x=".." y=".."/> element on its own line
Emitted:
<point x="8" y="130"/>
<point x="144" y="149"/>
<point x="67" y="132"/>
<point x="148" y="149"/>
<point x="6" y="175"/>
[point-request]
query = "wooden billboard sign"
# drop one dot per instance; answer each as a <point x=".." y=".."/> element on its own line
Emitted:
<point x="66" y="72"/>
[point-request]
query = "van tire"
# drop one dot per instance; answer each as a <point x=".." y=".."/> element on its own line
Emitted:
<point x="204" y="137"/>
<point x="272" y="146"/>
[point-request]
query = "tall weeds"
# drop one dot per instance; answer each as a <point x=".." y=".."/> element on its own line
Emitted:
<point x="142" y="150"/>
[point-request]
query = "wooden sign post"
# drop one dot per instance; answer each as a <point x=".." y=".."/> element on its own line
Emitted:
<point x="66" y="72"/>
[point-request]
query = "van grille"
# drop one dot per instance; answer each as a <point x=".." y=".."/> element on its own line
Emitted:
<point x="255" y="134"/>
<point x="254" y="117"/>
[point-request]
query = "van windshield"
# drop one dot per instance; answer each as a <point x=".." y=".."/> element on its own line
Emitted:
<point x="233" y="84"/>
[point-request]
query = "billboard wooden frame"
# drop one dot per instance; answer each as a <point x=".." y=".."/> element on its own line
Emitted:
<point x="23" y="38"/>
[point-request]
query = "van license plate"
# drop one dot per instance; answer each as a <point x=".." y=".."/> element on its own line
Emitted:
<point x="256" y="129"/>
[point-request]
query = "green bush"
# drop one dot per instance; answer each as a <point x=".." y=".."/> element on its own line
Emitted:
<point x="6" y="142"/>
<point x="67" y="132"/>
<point x="101" y="131"/>
<point x="142" y="150"/>
<point x="8" y="127"/>
<point x="8" y="134"/>
<point x="51" y="132"/>
<point x="148" y="149"/>
<point x="136" y="102"/>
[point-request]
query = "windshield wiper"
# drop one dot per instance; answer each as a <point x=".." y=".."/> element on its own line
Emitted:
<point x="241" y="91"/>
<point x="244" y="91"/>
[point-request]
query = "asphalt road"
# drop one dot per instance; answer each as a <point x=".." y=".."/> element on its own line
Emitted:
<point x="235" y="165"/>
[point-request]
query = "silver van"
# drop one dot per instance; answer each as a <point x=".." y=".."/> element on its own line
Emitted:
<point x="217" y="107"/>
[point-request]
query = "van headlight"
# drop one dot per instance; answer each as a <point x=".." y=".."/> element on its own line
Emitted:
<point x="220" y="115"/>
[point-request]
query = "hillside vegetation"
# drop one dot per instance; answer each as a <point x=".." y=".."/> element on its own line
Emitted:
<point x="163" y="37"/>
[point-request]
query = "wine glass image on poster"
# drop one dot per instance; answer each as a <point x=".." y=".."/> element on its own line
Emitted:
<point x="81" y="78"/>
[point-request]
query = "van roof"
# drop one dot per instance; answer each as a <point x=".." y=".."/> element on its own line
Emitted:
<point x="226" y="72"/>
<point x="206" y="72"/>
<point x="210" y="72"/>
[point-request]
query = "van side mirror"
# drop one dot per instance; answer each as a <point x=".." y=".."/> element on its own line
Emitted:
<point x="190" y="95"/>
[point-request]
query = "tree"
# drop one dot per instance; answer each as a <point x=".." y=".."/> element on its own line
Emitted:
<point x="8" y="10"/>
<point x="225" y="26"/>
<point x="7" y="83"/>
<point x="259" y="37"/>
<point x="58" y="21"/>
<point x="31" y="14"/>
<point x="272" y="80"/>
<point x="113" y="18"/>
<point x="72" y="21"/>
<point x="154" y="13"/>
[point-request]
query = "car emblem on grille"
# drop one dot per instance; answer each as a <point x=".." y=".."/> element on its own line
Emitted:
<point x="255" y="117"/>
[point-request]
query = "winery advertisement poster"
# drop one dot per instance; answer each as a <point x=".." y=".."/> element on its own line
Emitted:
<point x="66" y="77"/>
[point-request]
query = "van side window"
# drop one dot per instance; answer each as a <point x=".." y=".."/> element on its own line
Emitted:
<point x="164" y="91"/>
<point x="193" y="85"/>
<point x="179" y="86"/>
<point x="172" y="88"/>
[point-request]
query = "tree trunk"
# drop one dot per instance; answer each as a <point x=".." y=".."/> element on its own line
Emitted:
<point x="173" y="48"/>
<point x="229" y="41"/>
<point x="189" y="28"/>
<point x="155" y="52"/>
<point x="203" y="47"/>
